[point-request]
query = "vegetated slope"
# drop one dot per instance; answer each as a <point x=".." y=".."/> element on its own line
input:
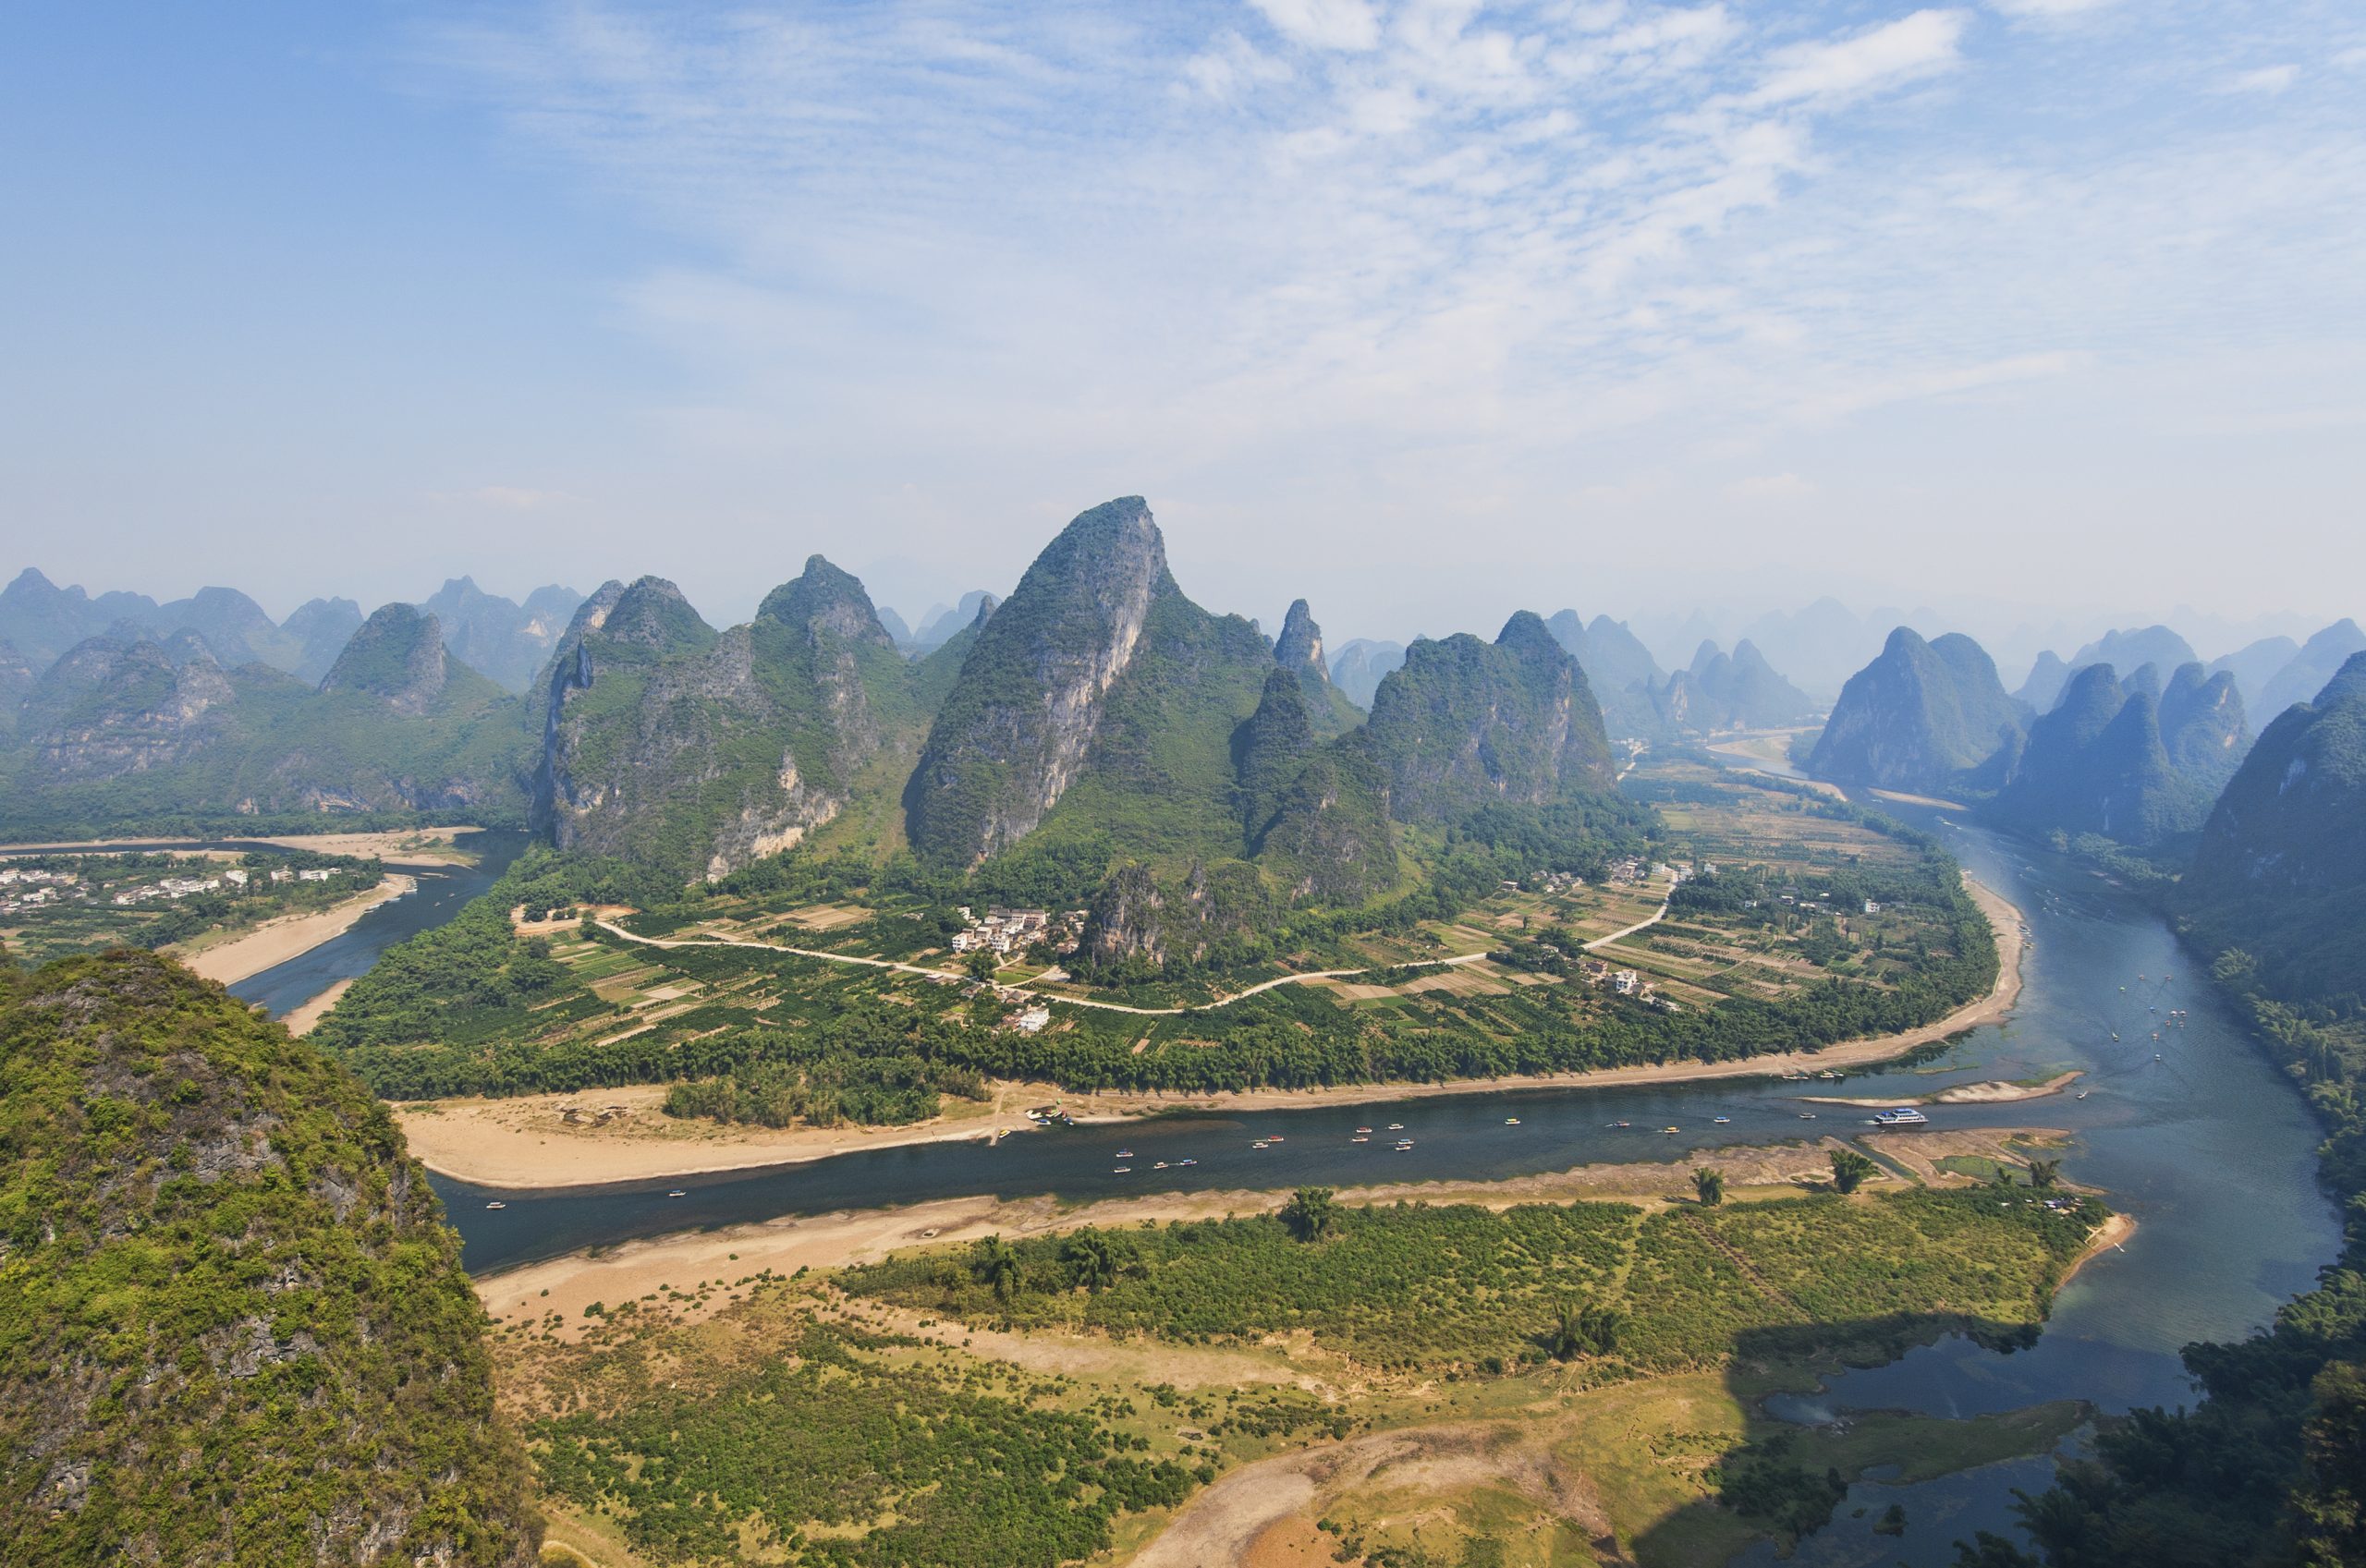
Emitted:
<point x="2047" y="678"/>
<point x="1097" y="703"/>
<point x="2281" y="869"/>
<point x="121" y="732"/>
<point x="2132" y="648"/>
<point x="2124" y="764"/>
<point x="694" y="752"/>
<point x="1924" y="717"/>
<point x="1465" y="723"/>
<point x="233" y="1327"/>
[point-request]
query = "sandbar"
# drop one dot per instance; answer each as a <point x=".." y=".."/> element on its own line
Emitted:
<point x="275" y="942"/>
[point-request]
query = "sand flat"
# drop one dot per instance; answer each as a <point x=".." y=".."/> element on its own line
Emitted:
<point x="290" y="936"/>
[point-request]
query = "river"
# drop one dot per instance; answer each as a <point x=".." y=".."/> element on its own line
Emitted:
<point x="2205" y="1144"/>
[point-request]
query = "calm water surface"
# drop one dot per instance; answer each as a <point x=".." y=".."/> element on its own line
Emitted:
<point x="2196" y="1135"/>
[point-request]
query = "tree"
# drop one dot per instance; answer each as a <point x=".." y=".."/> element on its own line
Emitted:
<point x="1583" y="1330"/>
<point x="1313" y="1212"/>
<point x="982" y="965"/>
<point x="1711" y="1185"/>
<point x="1849" y="1170"/>
<point x="995" y="1265"/>
<point x="1092" y="1260"/>
<point x="2044" y="1172"/>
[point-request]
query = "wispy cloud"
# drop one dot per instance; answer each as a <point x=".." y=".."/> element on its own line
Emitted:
<point x="1427" y="253"/>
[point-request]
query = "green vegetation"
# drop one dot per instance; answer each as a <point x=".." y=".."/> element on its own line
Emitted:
<point x="1921" y="717"/>
<point x="1850" y="1170"/>
<point x="847" y="1086"/>
<point x="233" y="1327"/>
<point x="799" y="1441"/>
<point x="1416" y="1288"/>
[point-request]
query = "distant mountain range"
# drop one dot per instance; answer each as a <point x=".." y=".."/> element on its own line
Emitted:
<point x="2271" y="674"/>
<point x="40" y="622"/>
<point x="1716" y="691"/>
<point x="2137" y="761"/>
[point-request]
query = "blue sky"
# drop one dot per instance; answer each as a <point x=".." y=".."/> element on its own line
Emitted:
<point x="1427" y="309"/>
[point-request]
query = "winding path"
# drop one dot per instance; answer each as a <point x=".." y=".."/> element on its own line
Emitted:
<point x="926" y="973"/>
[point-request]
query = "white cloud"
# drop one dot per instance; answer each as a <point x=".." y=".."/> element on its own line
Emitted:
<point x="1910" y="47"/>
<point x="1324" y="24"/>
<point x="2267" y="79"/>
<point x="2050" y="9"/>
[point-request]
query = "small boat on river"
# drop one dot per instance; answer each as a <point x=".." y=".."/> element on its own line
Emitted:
<point x="678" y="1192"/>
<point x="497" y="1204"/>
<point x="1722" y="1121"/>
<point x="1902" y="1116"/>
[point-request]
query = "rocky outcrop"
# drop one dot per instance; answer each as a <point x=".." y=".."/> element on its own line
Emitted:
<point x="1269" y="750"/>
<point x="2044" y="688"/>
<point x="1015" y="729"/>
<point x="2319" y="661"/>
<point x="1211" y="907"/>
<point x="1329" y="840"/>
<point x="1465" y="724"/>
<point x="1924" y="717"/>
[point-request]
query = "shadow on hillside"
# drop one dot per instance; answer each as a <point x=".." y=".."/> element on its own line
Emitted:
<point x="1823" y="1494"/>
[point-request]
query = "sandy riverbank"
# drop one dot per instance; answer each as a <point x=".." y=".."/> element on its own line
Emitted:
<point x="301" y="1019"/>
<point x="850" y="1237"/>
<point x="433" y="848"/>
<point x="523" y="1143"/>
<point x="275" y="942"/>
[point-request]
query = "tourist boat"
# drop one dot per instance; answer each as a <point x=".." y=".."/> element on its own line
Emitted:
<point x="1671" y="1129"/>
<point x="1123" y="1171"/>
<point x="2082" y="1094"/>
<point x="1125" y="1154"/>
<point x="1807" y="1115"/>
<point x="1395" y="1127"/>
<point x="678" y="1192"/>
<point x="1186" y="1163"/>
<point x="1404" y="1144"/>
<point x="1902" y="1116"/>
<point x="1511" y="1120"/>
<point x="497" y="1204"/>
<point x="1363" y="1129"/>
<point x="1276" y="1137"/>
<point x="1159" y="1166"/>
<point x="1721" y="1120"/>
<point x="1620" y="1125"/>
<point x="1829" y="1075"/>
<point x="1259" y="1144"/>
<point x="1359" y="1140"/>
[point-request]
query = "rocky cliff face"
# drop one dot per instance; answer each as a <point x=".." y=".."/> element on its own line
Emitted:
<point x="1208" y="907"/>
<point x="1924" y="717"/>
<point x="1625" y="679"/>
<point x="694" y="752"/>
<point x="1465" y="724"/>
<point x="1329" y="838"/>
<point x="1015" y="729"/>
<point x="397" y="657"/>
<point x="1269" y="750"/>
<point x="110" y="708"/>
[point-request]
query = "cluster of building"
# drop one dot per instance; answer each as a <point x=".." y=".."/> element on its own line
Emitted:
<point x="238" y="877"/>
<point x="1004" y="931"/>
<point x="1627" y="982"/>
<point x="31" y="888"/>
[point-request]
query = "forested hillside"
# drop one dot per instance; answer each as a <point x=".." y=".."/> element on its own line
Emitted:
<point x="233" y="1326"/>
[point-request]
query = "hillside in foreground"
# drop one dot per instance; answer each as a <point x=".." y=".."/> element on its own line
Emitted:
<point x="233" y="1326"/>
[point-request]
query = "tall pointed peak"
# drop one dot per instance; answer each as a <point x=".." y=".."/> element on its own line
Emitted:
<point x="1300" y="644"/>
